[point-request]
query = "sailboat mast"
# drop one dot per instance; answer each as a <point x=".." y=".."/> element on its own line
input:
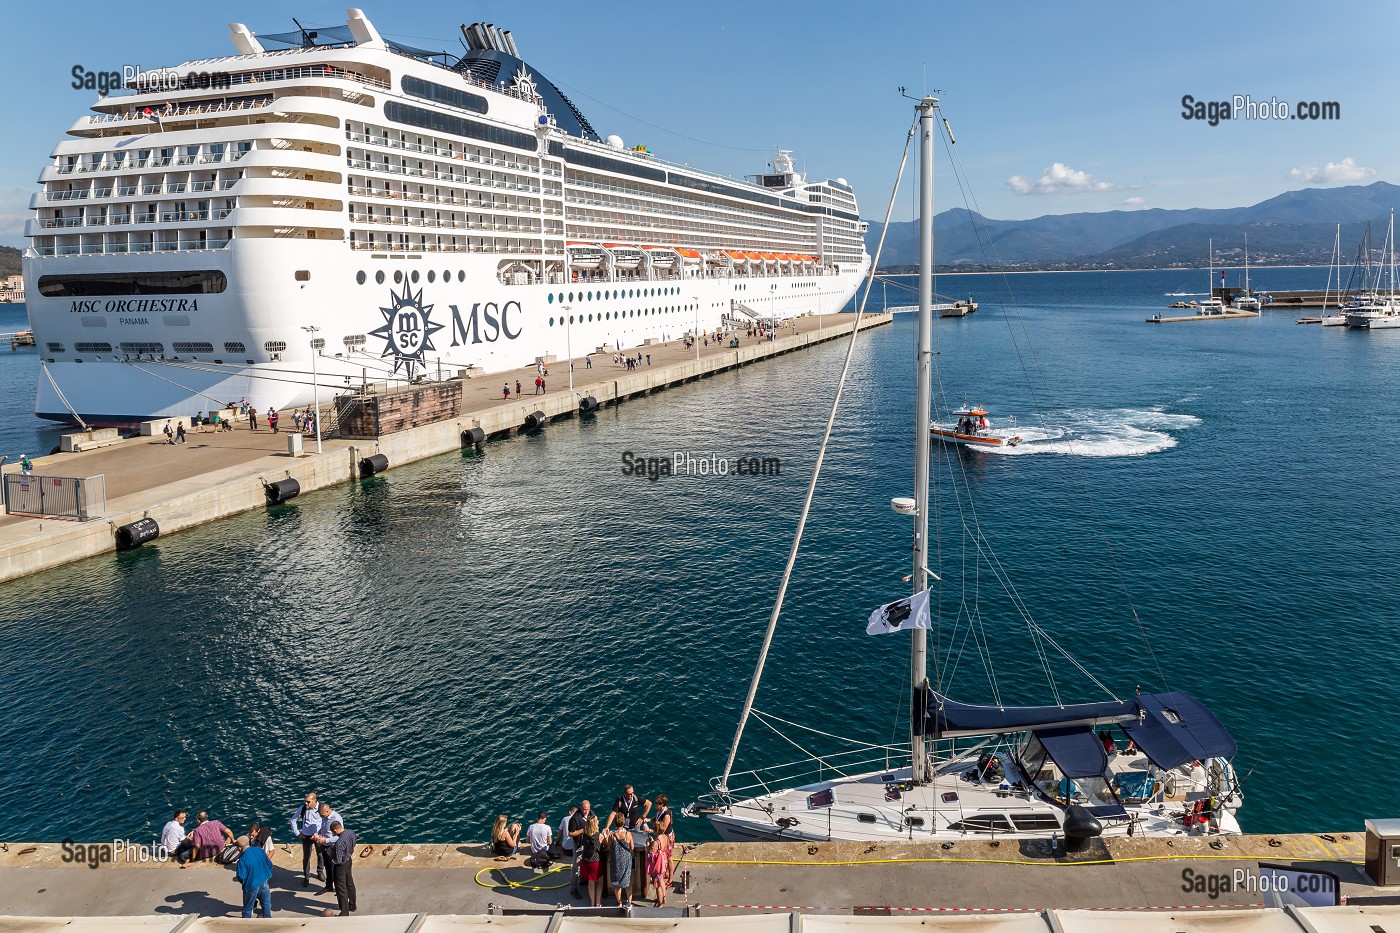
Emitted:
<point x="1246" y="265"/>
<point x="922" y="407"/>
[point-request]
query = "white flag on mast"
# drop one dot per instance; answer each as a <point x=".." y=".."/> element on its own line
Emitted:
<point x="900" y="616"/>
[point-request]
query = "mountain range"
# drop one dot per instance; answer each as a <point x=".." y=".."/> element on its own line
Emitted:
<point x="1296" y="227"/>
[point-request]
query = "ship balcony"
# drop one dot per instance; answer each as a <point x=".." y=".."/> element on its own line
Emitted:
<point x="44" y="225"/>
<point x="473" y="204"/>
<point x="385" y="142"/>
<point x="162" y="117"/>
<point x="182" y="244"/>
<point x="89" y="167"/>
<point x="447" y="224"/>
<point x="119" y="193"/>
<point x="455" y="179"/>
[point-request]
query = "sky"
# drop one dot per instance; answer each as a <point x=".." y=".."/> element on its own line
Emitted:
<point x="1056" y="108"/>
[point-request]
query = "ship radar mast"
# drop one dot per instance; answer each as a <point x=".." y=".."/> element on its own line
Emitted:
<point x="783" y="175"/>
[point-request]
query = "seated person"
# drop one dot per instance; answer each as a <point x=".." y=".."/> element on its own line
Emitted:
<point x="541" y="837"/>
<point x="504" y="839"/>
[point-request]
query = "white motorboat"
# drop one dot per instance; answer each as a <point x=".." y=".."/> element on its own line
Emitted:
<point x="1155" y="764"/>
<point x="972" y="429"/>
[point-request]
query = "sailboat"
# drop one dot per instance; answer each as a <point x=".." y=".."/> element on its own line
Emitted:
<point x="1212" y="304"/>
<point x="1371" y="311"/>
<point x="1154" y="764"/>
<point x="1246" y="300"/>
<point x="1336" y="318"/>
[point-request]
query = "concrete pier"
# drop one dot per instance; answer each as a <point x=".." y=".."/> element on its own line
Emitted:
<point x="714" y="878"/>
<point x="218" y="474"/>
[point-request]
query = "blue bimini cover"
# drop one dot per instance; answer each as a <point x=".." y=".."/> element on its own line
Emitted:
<point x="1076" y="749"/>
<point x="1175" y="728"/>
<point x="948" y="718"/>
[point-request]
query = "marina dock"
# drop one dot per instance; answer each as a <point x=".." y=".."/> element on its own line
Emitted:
<point x="222" y="473"/>
<point x="717" y="879"/>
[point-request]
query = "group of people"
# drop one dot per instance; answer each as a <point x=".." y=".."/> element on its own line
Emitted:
<point x="631" y="362"/>
<point x="315" y="824"/>
<point x="599" y="851"/>
<point x="305" y="420"/>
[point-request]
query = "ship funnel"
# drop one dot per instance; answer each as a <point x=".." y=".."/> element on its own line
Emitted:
<point x="362" y="30"/>
<point x="473" y="36"/>
<point x="509" y="41"/>
<point x="489" y="31"/>
<point x="496" y="40"/>
<point x="244" y="40"/>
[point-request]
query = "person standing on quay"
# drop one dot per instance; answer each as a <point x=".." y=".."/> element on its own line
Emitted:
<point x="572" y="832"/>
<point x="325" y="837"/>
<point x="619" y="843"/>
<point x="343" y="857"/>
<point x="272" y="419"/>
<point x="517" y="388"/>
<point x="169" y="433"/>
<point x="624" y="811"/>
<point x="305" y="822"/>
<point x="590" y="870"/>
<point x="180" y="431"/>
<point x="254" y="871"/>
<point x="252" y="418"/>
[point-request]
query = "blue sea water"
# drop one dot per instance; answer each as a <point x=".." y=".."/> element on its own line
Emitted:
<point x="498" y="633"/>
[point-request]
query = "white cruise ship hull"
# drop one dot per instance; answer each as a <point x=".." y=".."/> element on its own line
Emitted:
<point x="475" y="321"/>
<point x="410" y="213"/>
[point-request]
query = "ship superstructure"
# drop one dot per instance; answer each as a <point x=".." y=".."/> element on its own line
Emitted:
<point x="401" y="213"/>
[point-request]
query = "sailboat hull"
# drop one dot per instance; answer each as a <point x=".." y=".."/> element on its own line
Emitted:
<point x="879" y="807"/>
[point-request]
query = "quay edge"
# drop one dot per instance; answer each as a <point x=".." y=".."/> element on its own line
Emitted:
<point x="42" y="544"/>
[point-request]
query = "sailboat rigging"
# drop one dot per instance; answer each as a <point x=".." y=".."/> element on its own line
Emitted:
<point x="1149" y="764"/>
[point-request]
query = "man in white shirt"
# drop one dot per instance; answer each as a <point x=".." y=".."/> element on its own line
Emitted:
<point x="306" y="821"/>
<point x="540" y="836"/>
<point x="172" y="838"/>
<point x="566" y="842"/>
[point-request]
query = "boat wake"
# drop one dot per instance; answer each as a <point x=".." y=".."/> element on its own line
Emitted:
<point x="1118" y="432"/>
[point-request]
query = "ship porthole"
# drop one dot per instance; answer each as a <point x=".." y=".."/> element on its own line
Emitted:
<point x="549" y="298"/>
<point x="461" y="276"/>
<point x="379" y="277"/>
<point x="398" y="276"/>
<point x="360" y="277"/>
<point x="414" y="276"/>
<point x="431" y="276"/>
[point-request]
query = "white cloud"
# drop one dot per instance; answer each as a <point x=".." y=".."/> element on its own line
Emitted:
<point x="1061" y="179"/>
<point x="1135" y="202"/>
<point x="1332" y="173"/>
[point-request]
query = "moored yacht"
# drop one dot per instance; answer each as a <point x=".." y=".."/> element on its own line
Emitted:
<point x="1156" y="764"/>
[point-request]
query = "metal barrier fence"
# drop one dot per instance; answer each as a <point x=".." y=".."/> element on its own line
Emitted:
<point x="69" y="497"/>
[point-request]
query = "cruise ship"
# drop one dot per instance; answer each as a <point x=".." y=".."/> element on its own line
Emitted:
<point x="330" y="201"/>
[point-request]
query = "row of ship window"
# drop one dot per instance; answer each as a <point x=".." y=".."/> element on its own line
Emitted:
<point x="618" y="315"/>
<point x="615" y="294"/>
<point x="233" y="347"/>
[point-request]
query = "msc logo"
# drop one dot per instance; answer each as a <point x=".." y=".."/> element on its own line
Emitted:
<point x="484" y="323"/>
<point x="407" y="331"/>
